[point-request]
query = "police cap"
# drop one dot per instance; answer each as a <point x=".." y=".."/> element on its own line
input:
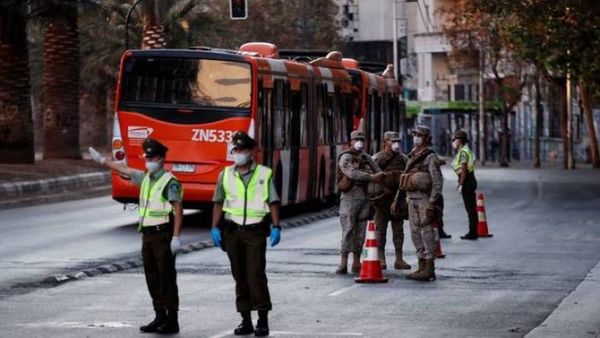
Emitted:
<point x="241" y="140"/>
<point x="461" y="134"/>
<point x="357" y="135"/>
<point x="391" y="136"/>
<point x="422" y="130"/>
<point x="153" y="148"/>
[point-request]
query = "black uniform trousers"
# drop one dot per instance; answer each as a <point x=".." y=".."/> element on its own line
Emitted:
<point x="246" y="248"/>
<point x="470" y="201"/>
<point x="159" y="268"/>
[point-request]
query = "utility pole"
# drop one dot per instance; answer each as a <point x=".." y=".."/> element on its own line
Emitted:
<point x="482" y="142"/>
<point x="395" y="37"/>
<point x="570" y="157"/>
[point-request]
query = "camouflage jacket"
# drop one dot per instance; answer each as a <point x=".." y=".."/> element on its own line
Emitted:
<point x="425" y="161"/>
<point x="359" y="168"/>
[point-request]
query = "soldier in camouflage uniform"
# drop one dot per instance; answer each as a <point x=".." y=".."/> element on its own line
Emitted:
<point x="422" y="182"/>
<point x="355" y="170"/>
<point x="392" y="162"/>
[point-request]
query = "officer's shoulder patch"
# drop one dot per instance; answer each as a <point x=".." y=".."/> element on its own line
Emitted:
<point x="175" y="186"/>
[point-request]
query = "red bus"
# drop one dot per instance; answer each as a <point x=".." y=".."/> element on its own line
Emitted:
<point x="301" y="115"/>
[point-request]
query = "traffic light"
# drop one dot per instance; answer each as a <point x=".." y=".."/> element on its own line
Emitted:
<point x="238" y="9"/>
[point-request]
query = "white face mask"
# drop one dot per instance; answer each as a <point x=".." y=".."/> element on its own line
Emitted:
<point x="417" y="140"/>
<point x="455" y="144"/>
<point x="359" y="145"/>
<point x="153" y="166"/>
<point x="240" y="158"/>
<point x="396" y="147"/>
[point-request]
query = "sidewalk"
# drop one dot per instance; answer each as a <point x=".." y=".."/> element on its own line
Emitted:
<point x="578" y="315"/>
<point x="51" y="181"/>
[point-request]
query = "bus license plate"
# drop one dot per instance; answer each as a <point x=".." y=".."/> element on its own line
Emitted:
<point x="183" y="168"/>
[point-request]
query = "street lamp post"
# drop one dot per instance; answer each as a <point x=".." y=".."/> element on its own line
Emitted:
<point x="395" y="38"/>
<point x="127" y="23"/>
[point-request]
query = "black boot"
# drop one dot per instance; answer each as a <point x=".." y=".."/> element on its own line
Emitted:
<point x="153" y="325"/>
<point x="262" y="326"/>
<point x="246" y="326"/>
<point x="170" y="325"/>
<point x="470" y="236"/>
<point x="443" y="234"/>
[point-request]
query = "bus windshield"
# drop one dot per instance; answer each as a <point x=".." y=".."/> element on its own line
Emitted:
<point x="185" y="82"/>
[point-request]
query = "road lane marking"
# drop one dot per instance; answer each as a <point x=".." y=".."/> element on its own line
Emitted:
<point x="298" y="333"/>
<point x="342" y="290"/>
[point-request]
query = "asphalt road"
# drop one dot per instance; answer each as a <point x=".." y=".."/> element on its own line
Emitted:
<point x="546" y="228"/>
<point x="39" y="241"/>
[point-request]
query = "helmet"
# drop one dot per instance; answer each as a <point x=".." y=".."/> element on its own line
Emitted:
<point x="391" y="136"/>
<point x="153" y="148"/>
<point x="241" y="140"/>
<point x="422" y="130"/>
<point x="357" y="134"/>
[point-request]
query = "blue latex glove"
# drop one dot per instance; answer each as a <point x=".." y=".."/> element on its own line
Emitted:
<point x="275" y="236"/>
<point x="215" y="233"/>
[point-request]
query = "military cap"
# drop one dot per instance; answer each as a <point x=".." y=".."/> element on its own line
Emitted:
<point x="461" y="134"/>
<point x="153" y="148"/>
<point x="422" y="130"/>
<point x="241" y="140"/>
<point x="357" y="134"/>
<point x="391" y="136"/>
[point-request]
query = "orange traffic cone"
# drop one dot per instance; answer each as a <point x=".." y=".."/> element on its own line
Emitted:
<point x="438" y="244"/>
<point x="370" y="268"/>
<point x="482" y="226"/>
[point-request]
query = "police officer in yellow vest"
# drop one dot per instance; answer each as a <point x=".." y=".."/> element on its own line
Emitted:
<point x="244" y="196"/>
<point x="161" y="217"/>
<point x="464" y="166"/>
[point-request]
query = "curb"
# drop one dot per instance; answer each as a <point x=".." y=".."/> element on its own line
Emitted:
<point x="53" y="185"/>
<point x="122" y="265"/>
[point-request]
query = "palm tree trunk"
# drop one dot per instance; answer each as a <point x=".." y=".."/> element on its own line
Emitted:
<point x="60" y="82"/>
<point x="589" y="120"/>
<point x="153" y="34"/>
<point x="93" y="119"/>
<point x="16" y="121"/>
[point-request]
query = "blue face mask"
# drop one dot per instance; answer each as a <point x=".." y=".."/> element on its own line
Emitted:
<point x="240" y="158"/>
<point x="153" y="166"/>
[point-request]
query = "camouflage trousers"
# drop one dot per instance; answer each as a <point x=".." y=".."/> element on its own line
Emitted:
<point x="353" y="218"/>
<point x="421" y="228"/>
<point x="382" y="218"/>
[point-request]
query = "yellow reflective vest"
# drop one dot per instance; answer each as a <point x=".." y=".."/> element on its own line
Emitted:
<point x="457" y="164"/>
<point x="246" y="205"/>
<point x="154" y="209"/>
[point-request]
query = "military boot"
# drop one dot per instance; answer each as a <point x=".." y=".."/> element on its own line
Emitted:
<point x="153" y="325"/>
<point x="427" y="274"/>
<point x="355" y="262"/>
<point x="420" y="268"/>
<point x="245" y="326"/>
<point x="381" y="254"/>
<point x="343" y="267"/>
<point x="262" y="325"/>
<point x="170" y="325"/>
<point x="400" y="264"/>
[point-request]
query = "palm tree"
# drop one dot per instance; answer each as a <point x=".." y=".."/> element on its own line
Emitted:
<point x="16" y="124"/>
<point x="60" y="78"/>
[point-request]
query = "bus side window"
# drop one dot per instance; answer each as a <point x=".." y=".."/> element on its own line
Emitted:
<point x="266" y="118"/>
<point x="304" y="115"/>
<point x="319" y="112"/>
<point x="339" y="120"/>
<point x="378" y="126"/>
<point x="279" y="114"/>
<point x="295" y="118"/>
<point x="329" y="117"/>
